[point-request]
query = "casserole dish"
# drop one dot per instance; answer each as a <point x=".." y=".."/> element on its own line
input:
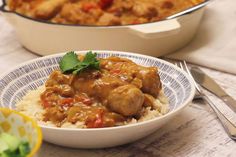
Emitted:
<point x="156" y="39"/>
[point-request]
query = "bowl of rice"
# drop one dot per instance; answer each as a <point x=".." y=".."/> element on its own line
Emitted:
<point x="22" y="89"/>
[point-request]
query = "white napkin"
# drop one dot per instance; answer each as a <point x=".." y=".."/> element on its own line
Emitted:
<point x="215" y="43"/>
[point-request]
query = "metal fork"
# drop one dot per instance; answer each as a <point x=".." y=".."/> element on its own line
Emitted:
<point x="229" y="127"/>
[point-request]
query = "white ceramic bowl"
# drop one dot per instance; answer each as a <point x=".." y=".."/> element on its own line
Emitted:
<point x="155" y="39"/>
<point x="178" y="87"/>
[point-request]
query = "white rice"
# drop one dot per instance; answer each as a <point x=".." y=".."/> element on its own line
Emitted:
<point x="30" y="105"/>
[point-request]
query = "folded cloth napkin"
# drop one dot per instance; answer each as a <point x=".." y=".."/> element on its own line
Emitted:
<point x="215" y="43"/>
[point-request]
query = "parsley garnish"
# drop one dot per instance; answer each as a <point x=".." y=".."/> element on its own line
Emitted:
<point x="71" y="64"/>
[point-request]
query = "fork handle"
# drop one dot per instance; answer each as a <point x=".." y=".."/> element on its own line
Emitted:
<point x="229" y="127"/>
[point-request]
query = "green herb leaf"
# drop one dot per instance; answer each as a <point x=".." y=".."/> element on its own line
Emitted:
<point x="90" y="57"/>
<point x="91" y="60"/>
<point x="71" y="64"/>
<point x="24" y="149"/>
<point x="80" y="68"/>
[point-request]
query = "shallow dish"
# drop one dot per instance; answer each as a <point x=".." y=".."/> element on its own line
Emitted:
<point x="178" y="87"/>
<point x="22" y="127"/>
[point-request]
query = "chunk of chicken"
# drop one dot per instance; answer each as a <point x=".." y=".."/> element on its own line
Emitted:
<point x="57" y="78"/>
<point x="149" y="101"/>
<point x="60" y="84"/>
<point x="54" y="114"/>
<point x="150" y="80"/>
<point x="145" y="78"/>
<point x="48" y="9"/>
<point x="79" y="13"/>
<point x="14" y="4"/>
<point x="147" y="10"/>
<point x="120" y="6"/>
<point x="97" y="88"/>
<point x="109" y="19"/>
<point x="126" y="100"/>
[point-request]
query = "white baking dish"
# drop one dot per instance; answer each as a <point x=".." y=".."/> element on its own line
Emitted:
<point x="156" y="39"/>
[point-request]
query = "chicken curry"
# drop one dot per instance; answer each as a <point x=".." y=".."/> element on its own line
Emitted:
<point x="105" y="96"/>
<point x="100" y="12"/>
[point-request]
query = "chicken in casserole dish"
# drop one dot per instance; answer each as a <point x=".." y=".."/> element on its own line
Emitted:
<point x="100" y="12"/>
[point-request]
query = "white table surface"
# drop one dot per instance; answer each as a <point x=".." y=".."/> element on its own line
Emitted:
<point x="195" y="132"/>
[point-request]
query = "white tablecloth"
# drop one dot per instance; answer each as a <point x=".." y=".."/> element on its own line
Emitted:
<point x="215" y="43"/>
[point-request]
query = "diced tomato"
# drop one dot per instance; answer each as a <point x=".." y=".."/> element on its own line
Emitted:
<point x="86" y="7"/>
<point x="115" y="71"/>
<point x="45" y="103"/>
<point x="105" y="3"/>
<point x="78" y="98"/>
<point x="116" y="68"/>
<point x="47" y="98"/>
<point x="98" y="122"/>
<point x="118" y="65"/>
<point x="87" y="101"/>
<point x="66" y="101"/>
<point x="136" y="22"/>
<point x="84" y="100"/>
